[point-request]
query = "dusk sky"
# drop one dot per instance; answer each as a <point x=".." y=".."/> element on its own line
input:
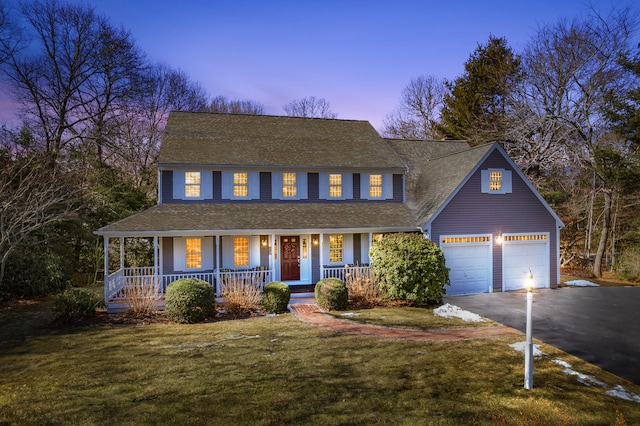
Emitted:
<point x="358" y="55"/>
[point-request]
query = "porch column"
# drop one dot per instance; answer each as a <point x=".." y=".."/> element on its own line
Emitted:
<point x="106" y="267"/>
<point x="156" y="265"/>
<point x="321" y="255"/>
<point x="122" y="254"/>
<point x="216" y="267"/>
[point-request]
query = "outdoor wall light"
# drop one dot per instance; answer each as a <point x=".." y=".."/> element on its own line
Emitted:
<point x="264" y="242"/>
<point x="315" y="241"/>
<point x="529" y="283"/>
<point x="499" y="239"/>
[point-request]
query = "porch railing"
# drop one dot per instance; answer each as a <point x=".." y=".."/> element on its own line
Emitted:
<point x="341" y="272"/>
<point x="255" y="277"/>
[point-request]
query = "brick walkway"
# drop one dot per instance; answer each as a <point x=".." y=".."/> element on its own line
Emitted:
<point x="310" y="313"/>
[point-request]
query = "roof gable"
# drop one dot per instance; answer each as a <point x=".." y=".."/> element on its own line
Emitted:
<point x="258" y="141"/>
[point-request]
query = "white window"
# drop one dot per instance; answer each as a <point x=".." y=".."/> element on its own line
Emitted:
<point x="192" y="184"/>
<point x="289" y="185"/>
<point x="336" y="248"/>
<point x="193" y="253"/>
<point x="375" y="186"/>
<point x="335" y="186"/>
<point x="241" y="251"/>
<point x="496" y="181"/>
<point x="240" y="184"/>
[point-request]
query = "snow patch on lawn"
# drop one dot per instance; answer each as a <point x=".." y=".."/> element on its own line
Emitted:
<point x="618" y="391"/>
<point x="449" y="311"/>
<point x="349" y="314"/>
<point x="521" y="346"/>
<point x="581" y="283"/>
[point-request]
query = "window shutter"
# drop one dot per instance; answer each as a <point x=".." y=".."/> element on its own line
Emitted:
<point x="178" y="184"/>
<point x="227" y="185"/>
<point x="506" y="182"/>
<point x="206" y="182"/>
<point x="179" y="254"/>
<point x="276" y="185"/>
<point x="484" y="178"/>
<point x="254" y="185"/>
<point x="364" y="186"/>
<point x="387" y="186"/>
<point x="347" y="186"/>
<point x="324" y="186"/>
<point x="303" y="186"/>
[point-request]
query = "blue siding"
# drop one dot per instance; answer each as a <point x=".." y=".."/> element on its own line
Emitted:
<point x="357" y="250"/>
<point x="315" y="259"/>
<point x="167" y="255"/>
<point x="472" y="212"/>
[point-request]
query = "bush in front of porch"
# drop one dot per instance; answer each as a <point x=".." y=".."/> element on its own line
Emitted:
<point x="410" y="268"/>
<point x="275" y="297"/>
<point x="331" y="294"/>
<point x="189" y="300"/>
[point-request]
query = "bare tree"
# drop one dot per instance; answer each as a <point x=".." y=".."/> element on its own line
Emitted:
<point x="221" y="104"/>
<point x="419" y="110"/>
<point x="310" y="107"/>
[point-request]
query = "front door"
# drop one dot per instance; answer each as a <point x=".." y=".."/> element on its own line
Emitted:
<point x="290" y="258"/>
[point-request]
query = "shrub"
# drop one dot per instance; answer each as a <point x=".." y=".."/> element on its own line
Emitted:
<point x="362" y="286"/>
<point x="141" y="298"/>
<point x="241" y="294"/>
<point x="189" y="300"/>
<point x="331" y="294"/>
<point x="629" y="264"/>
<point x="275" y="297"/>
<point x="76" y="304"/>
<point x="410" y="268"/>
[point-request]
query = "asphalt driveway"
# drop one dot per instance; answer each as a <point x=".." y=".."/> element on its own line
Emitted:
<point x="598" y="324"/>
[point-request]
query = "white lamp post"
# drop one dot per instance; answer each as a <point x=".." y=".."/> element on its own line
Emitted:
<point x="528" y="353"/>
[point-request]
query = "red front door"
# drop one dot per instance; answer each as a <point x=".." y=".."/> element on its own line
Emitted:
<point x="289" y="258"/>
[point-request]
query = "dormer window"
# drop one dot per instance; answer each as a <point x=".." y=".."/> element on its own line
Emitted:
<point x="289" y="185"/>
<point x="240" y="184"/>
<point x="192" y="184"/>
<point x="375" y="186"/>
<point x="335" y="186"/>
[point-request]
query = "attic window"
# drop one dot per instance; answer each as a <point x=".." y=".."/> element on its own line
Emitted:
<point x="495" y="180"/>
<point x="240" y="184"/>
<point x="375" y="186"/>
<point x="289" y="185"/>
<point x="192" y="184"/>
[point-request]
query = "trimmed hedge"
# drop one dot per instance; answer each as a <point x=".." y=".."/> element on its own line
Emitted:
<point x="189" y="300"/>
<point x="331" y="294"/>
<point x="275" y="297"/>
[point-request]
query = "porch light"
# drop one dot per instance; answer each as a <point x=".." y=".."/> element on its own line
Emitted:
<point x="499" y="239"/>
<point x="264" y="242"/>
<point x="315" y="241"/>
<point x="528" y="353"/>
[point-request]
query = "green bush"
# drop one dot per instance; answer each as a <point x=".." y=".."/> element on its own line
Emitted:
<point x="275" y="297"/>
<point x="189" y="300"/>
<point x="410" y="268"/>
<point x="75" y="304"/>
<point x="331" y="294"/>
<point x="629" y="265"/>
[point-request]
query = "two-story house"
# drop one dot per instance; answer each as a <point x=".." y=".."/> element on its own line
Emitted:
<point x="296" y="199"/>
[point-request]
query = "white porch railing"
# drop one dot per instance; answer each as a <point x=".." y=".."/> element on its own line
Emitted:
<point x="341" y="272"/>
<point x="118" y="283"/>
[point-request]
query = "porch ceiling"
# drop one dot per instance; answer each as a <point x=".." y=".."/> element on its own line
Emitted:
<point x="194" y="218"/>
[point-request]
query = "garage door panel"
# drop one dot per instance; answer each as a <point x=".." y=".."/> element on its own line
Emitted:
<point x="469" y="268"/>
<point x="519" y="258"/>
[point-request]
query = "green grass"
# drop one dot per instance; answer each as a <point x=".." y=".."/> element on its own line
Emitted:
<point x="277" y="370"/>
<point x="407" y="317"/>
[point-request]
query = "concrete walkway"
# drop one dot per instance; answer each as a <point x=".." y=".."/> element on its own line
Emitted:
<point x="311" y="314"/>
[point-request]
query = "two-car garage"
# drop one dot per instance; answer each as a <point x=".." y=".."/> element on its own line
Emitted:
<point x="470" y="259"/>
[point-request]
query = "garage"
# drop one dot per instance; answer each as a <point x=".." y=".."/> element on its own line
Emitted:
<point x="469" y="259"/>
<point x="522" y="253"/>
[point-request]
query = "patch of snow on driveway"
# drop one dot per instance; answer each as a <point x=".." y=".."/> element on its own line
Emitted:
<point x="448" y="311"/>
<point x="581" y="283"/>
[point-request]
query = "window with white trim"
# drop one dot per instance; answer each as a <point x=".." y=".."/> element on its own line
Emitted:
<point x="240" y="184"/>
<point x="495" y="180"/>
<point x="193" y="253"/>
<point x="335" y="185"/>
<point x="336" y="248"/>
<point x="289" y="185"/>
<point x="375" y="186"/>
<point x="192" y="184"/>
<point x="241" y="251"/>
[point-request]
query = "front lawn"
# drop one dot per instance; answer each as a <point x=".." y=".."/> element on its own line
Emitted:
<point x="276" y="370"/>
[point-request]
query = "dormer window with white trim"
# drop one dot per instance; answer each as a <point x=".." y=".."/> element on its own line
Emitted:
<point x="192" y="184"/>
<point x="335" y="185"/>
<point x="375" y="186"/>
<point x="289" y="185"/>
<point x="240" y="184"/>
<point x="496" y="181"/>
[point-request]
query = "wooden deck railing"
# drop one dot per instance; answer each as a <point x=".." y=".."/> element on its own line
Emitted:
<point x="341" y="272"/>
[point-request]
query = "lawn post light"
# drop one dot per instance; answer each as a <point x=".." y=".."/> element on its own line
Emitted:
<point x="528" y="351"/>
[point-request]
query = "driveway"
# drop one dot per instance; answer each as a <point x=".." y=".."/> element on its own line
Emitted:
<point x="601" y="325"/>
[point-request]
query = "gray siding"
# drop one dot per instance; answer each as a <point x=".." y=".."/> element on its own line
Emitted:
<point x="167" y="255"/>
<point x="315" y="259"/>
<point x="264" y="251"/>
<point x="472" y="212"/>
<point x="357" y="250"/>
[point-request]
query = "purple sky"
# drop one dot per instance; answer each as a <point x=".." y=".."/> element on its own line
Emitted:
<point x="358" y="55"/>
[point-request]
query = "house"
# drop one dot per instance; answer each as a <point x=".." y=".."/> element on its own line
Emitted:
<point x="296" y="199"/>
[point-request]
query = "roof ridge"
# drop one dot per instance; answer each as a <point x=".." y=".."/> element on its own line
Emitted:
<point x="471" y="148"/>
<point x="267" y="115"/>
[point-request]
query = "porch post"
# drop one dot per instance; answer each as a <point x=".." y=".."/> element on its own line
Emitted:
<point x="122" y="254"/>
<point x="216" y="267"/>
<point x="106" y="268"/>
<point x="321" y="255"/>
<point x="156" y="265"/>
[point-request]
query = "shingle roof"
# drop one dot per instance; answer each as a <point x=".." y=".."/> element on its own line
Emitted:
<point x="181" y="218"/>
<point x="436" y="170"/>
<point x="269" y="141"/>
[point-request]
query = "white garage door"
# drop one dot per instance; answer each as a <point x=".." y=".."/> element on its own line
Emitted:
<point x="522" y="253"/>
<point x="469" y="261"/>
